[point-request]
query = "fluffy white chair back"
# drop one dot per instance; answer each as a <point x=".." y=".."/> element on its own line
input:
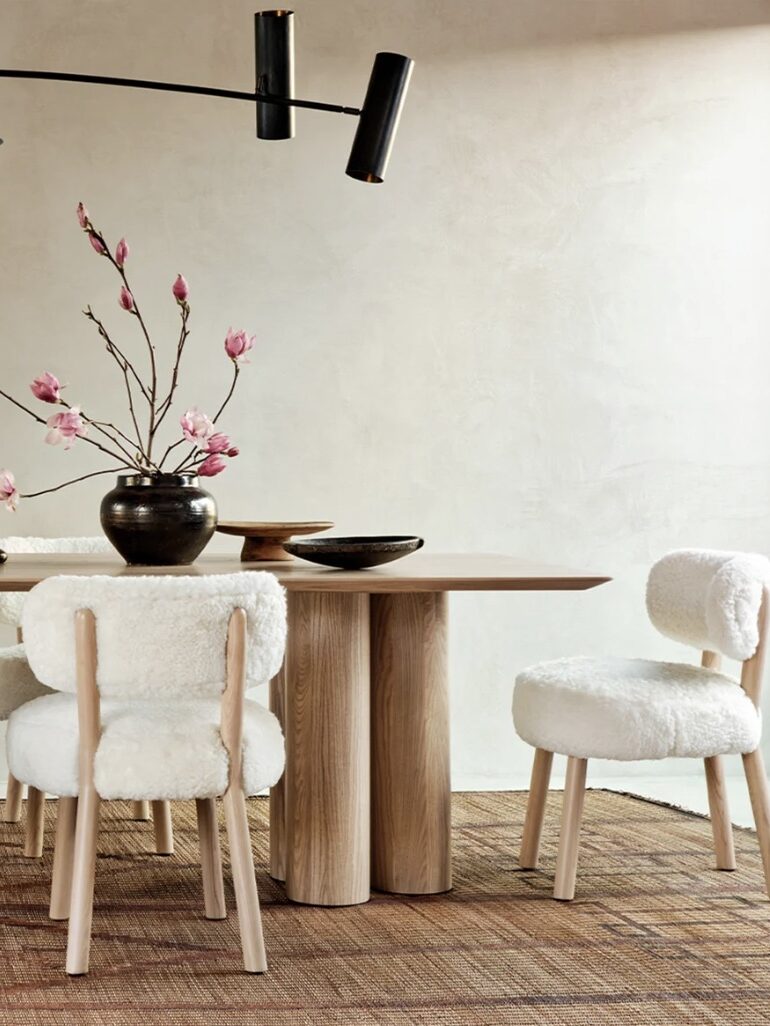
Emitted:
<point x="709" y="599"/>
<point x="157" y="637"/>
<point x="12" y="602"/>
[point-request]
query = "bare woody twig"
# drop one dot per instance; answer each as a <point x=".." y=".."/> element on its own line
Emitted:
<point x="152" y="399"/>
<point x="125" y="365"/>
<point x="183" y="333"/>
<point x="65" y="484"/>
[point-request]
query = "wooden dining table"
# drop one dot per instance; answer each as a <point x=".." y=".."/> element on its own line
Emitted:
<point x="363" y="699"/>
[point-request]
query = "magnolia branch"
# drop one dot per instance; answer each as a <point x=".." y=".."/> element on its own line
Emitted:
<point x="228" y="397"/>
<point x="152" y="399"/>
<point x="183" y="333"/>
<point x="85" y="438"/>
<point x="114" y="350"/>
<point x="191" y="454"/>
<point x="125" y="365"/>
<point x="66" y="484"/>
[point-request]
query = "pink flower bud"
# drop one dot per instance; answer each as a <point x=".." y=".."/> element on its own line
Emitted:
<point x="46" y="388"/>
<point x="66" y="427"/>
<point x="212" y="465"/>
<point x="217" y="443"/>
<point x="8" y="491"/>
<point x="97" y="244"/>
<point x="82" y="216"/>
<point x="233" y="451"/>
<point x="125" y="299"/>
<point x="121" y="252"/>
<point x="180" y="289"/>
<point x="237" y="344"/>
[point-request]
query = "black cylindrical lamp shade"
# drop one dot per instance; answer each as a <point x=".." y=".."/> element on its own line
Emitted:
<point x="274" y="42"/>
<point x="379" y="117"/>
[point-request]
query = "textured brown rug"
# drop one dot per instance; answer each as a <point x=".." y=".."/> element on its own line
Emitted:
<point x="654" y="937"/>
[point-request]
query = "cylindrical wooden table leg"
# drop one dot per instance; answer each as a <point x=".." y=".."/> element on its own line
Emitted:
<point x="411" y="793"/>
<point x="327" y="737"/>
<point x="278" y="791"/>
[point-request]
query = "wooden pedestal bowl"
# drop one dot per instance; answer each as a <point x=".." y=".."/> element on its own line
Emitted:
<point x="263" y="542"/>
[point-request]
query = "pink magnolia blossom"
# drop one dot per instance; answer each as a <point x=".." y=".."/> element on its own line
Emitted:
<point x="46" y="388"/>
<point x="125" y="299"/>
<point x="82" y="216"/>
<point x="8" y="492"/>
<point x="121" y="252"/>
<point x="218" y="442"/>
<point x="212" y="465"/>
<point x="196" y="427"/>
<point x="66" y="426"/>
<point x="237" y="344"/>
<point x="97" y="244"/>
<point x="180" y="289"/>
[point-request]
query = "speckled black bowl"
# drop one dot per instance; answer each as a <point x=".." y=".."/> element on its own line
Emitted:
<point x="358" y="553"/>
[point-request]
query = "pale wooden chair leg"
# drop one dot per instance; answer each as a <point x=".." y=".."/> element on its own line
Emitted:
<point x="140" y="811"/>
<point x="244" y="882"/>
<point x="164" y="831"/>
<point x="211" y="859"/>
<point x="61" y="878"/>
<point x="759" y="792"/>
<point x="721" y="826"/>
<point x="33" y="835"/>
<point x="87" y="826"/>
<point x="572" y="813"/>
<point x="83" y="872"/>
<point x="533" y="820"/>
<point x="14" y="792"/>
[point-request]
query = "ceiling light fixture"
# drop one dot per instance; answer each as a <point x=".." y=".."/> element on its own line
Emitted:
<point x="274" y="94"/>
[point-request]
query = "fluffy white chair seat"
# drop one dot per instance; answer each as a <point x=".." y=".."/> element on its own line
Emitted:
<point x="627" y="709"/>
<point x="18" y="684"/>
<point x="147" y="750"/>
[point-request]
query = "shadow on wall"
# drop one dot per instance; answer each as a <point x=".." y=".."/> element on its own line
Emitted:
<point x="497" y="25"/>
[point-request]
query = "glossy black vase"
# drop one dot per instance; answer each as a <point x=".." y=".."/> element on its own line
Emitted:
<point x="161" y="520"/>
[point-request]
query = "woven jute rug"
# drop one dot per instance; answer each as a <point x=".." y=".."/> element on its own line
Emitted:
<point x="655" y="936"/>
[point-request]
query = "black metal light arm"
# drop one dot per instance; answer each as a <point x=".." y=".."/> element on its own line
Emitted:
<point x="274" y="93"/>
<point x="178" y="87"/>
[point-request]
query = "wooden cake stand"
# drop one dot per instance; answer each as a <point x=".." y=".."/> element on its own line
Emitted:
<point x="263" y="542"/>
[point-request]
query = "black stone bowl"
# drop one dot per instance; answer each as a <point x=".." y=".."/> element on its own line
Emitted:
<point x="354" y="553"/>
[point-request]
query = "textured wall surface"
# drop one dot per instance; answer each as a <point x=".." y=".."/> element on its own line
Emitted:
<point x="546" y="334"/>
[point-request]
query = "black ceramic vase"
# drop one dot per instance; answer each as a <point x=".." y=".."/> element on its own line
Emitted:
<point x="160" y="520"/>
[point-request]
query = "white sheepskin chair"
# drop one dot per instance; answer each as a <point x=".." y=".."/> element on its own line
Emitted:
<point x="17" y="682"/>
<point x="150" y="675"/>
<point x="629" y="709"/>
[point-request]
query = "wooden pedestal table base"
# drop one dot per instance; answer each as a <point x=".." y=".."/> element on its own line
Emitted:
<point x="327" y="739"/>
<point x="411" y="843"/>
